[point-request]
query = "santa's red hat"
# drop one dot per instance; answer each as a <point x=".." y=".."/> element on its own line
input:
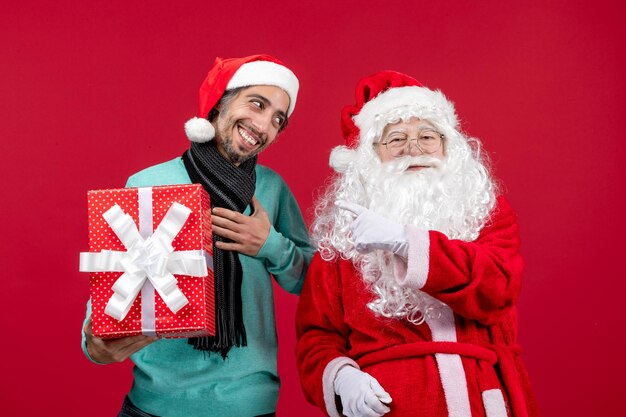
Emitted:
<point x="227" y="74"/>
<point x="381" y="94"/>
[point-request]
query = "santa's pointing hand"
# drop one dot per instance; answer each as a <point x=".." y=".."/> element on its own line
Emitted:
<point x="371" y="231"/>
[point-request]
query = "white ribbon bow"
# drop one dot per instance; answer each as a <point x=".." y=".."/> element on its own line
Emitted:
<point x="152" y="258"/>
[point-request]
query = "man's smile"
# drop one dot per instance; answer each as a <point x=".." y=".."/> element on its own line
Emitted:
<point x="249" y="137"/>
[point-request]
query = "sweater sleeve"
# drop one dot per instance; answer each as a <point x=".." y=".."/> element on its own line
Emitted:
<point x="479" y="280"/>
<point x="83" y="338"/>
<point x="322" y="346"/>
<point x="286" y="252"/>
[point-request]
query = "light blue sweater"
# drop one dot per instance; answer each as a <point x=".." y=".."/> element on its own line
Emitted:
<point x="171" y="379"/>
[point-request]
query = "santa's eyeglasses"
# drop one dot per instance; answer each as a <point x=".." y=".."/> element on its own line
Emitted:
<point x="428" y="141"/>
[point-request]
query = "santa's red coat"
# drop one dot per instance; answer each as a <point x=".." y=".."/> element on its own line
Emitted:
<point x="463" y="361"/>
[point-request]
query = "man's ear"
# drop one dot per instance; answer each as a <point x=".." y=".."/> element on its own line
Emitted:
<point x="213" y="114"/>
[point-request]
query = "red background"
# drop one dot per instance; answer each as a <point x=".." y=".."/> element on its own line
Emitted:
<point x="94" y="91"/>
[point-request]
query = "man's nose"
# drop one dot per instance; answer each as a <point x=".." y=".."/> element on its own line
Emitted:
<point x="262" y="123"/>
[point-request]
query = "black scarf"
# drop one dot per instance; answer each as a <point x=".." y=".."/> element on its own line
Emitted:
<point x="231" y="187"/>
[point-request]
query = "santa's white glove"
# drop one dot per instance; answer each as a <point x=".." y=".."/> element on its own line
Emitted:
<point x="361" y="395"/>
<point x="372" y="231"/>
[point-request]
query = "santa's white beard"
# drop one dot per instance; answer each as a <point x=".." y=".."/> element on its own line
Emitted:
<point x="423" y="198"/>
<point x="453" y="197"/>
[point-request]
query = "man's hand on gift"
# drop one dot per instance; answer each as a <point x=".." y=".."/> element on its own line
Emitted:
<point x="113" y="350"/>
<point x="248" y="233"/>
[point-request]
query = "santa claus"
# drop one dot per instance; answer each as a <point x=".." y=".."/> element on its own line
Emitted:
<point x="409" y="304"/>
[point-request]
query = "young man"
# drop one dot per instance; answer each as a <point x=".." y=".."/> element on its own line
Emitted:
<point x="258" y="230"/>
<point x="408" y="307"/>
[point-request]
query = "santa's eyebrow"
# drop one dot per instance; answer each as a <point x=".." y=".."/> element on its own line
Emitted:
<point x="421" y="127"/>
<point x="396" y="131"/>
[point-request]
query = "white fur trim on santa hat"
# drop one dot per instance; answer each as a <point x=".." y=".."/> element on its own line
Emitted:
<point x="199" y="130"/>
<point x="267" y="73"/>
<point x="341" y="157"/>
<point x="434" y="104"/>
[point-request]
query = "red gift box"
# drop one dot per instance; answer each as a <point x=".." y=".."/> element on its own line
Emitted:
<point x="150" y="262"/>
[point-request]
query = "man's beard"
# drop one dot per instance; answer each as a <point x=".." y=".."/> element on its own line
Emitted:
<point x="223" y="135"/>
<point x="233" y="155"/>
<point x="452" y="198"/>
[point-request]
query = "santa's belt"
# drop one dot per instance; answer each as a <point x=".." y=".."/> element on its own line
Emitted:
<point x="410" y="350"/>
<point x="505" y="354"/>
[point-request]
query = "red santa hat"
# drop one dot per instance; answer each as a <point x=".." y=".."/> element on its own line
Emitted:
<point x="227" y="74"/>
<point x="381" y="94"/>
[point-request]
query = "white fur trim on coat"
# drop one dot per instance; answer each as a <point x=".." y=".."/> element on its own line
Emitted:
<point x="267" y="73"/>
<point x="451" y="372"/>
<point x="413" y="272"/>
<point x="328" y="382"/>
<point x="494" y="403"/>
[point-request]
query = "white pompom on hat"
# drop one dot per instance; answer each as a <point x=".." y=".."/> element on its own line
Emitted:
<point x="227" y="74"/>
<point x="377" y="95"/>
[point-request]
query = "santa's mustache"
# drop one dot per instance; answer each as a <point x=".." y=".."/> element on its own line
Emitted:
<point x="401" y="164"/>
